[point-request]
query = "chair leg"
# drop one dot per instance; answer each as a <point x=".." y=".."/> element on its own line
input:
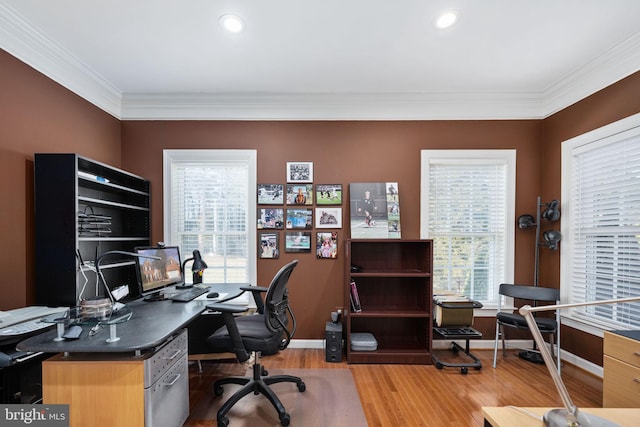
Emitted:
<point x="495" y="345"/>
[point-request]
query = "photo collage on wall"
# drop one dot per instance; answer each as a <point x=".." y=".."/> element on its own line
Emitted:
<point x="374" y="210"/>
<point x="304" y="210"/>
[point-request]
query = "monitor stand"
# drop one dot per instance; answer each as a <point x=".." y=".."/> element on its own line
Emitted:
<point x="156" y="296"/>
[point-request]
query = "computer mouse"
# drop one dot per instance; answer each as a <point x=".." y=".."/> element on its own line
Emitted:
<point x="213" y="295"/>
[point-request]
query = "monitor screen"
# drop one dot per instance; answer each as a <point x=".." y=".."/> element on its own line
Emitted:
<point x="156" y="274"/>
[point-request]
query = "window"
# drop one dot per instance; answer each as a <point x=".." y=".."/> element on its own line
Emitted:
<point x="210" y="205"/>
<point x="600" y="253"/>
<point x="467" y="208"/>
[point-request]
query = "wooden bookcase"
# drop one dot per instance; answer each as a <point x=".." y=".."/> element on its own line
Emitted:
<point x="67" y="187"/>
<point x="394" y="283"/>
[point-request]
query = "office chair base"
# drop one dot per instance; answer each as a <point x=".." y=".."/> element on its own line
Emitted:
<point x="256" y="385"/>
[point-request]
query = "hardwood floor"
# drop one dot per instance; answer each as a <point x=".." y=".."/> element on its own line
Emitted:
<point x="421" y="395"/>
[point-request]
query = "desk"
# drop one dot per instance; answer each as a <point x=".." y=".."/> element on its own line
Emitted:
<point x="151" y="324"/>
<point x="509" y="417"/>
<point x="139" y="380"/>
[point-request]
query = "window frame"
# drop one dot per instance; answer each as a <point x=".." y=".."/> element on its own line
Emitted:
<point x="173" y="156"/>
<point x="597" y="138"/>
<point x="506" y="157"/>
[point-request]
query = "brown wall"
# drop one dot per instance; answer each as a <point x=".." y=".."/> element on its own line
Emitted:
<point x="341" y="152"/>
<point x="38" y="115"/>
<point x="606" y="106"/>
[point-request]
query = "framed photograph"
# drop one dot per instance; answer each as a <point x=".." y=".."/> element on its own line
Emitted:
<point x="271" y="218"/>
<point x="299" y="171"/>
<point x="268" y="246"/>
<point x="299" y="194"/>
<point x="297" y="241"/>
<point x="270" y="194"/>
<point x="328" y="194"/>
<point x="327" y="245"/>
<point x="375" y="210"/>
<point x="299" y="219"/>
<point x="328" y="217"/>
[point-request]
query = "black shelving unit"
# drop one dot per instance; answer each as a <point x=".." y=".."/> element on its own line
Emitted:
<point x="88" y="208"/>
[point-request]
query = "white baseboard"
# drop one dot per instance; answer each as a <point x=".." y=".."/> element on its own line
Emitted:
<point x="478" y="345"/>
<point x="307" y="344"/>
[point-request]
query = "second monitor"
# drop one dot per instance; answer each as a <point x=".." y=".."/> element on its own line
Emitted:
<point x="154" y="275"/>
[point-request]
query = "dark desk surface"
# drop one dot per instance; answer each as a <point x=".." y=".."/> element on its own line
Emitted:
<point x="150" y="325"/>
<point x="633" y="334"/>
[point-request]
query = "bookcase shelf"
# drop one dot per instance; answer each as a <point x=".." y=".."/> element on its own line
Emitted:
<point x="394" y="287"/>
<point x="84" y="206"/>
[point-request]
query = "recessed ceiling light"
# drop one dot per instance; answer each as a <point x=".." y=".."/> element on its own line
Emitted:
<point x="446" y="20"/>
<point x="232" y="23"/>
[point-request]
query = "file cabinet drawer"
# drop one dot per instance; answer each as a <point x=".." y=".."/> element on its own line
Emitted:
<point x="622" y="348"/>
<point x="621" y="385"/>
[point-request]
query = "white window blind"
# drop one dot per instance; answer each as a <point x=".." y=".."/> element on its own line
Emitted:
<point x="210" y="206"/>
<point x="469" y="216"/>
<point x="601" y="228"/>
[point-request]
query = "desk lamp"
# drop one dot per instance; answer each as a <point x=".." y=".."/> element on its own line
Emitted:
<point x="570" y="416"/>
<point x="197" y="268"/>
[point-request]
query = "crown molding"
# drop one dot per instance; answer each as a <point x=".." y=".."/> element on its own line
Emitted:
<point x="612" y="66"/>
<point x="31" y="46"/>
<point x="334" y="106"/>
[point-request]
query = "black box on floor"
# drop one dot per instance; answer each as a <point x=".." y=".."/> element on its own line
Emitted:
<point x="333" y="335"/>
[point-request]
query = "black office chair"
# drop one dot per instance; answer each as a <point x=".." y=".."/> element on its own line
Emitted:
<point x="266" y="333"/>
<point x="511" y="319"/>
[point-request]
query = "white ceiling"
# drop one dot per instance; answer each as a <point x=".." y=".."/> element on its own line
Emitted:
<point x="328" y="59"/>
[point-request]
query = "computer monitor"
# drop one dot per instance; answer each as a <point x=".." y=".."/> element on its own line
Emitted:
<point x="154" y="275"/>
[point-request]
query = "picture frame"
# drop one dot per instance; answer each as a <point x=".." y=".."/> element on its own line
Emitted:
<point x="299" y="219"/>
<point x="328" y="217"/>
<point x="327" y="245"/>
<point x="374" y="210"/>
<point x="299" y="171"/>
<point x="270" y="194"/>
<point x="270" y="218"/>
<point x="328" y="194"/>
<point x="297" y="241"/>
<point x="299" y="194"/>
<point x="269" y="245"/>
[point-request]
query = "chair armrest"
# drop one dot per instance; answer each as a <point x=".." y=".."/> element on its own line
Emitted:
<point x="228" y="311"/>
<point x="226" y="308"/>
<point x="257" y="292"/>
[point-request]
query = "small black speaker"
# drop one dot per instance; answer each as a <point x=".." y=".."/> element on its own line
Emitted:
<point x="333" y="336"/>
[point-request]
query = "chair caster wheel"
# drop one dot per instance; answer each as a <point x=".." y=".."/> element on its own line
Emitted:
<point x="264" y="373"/>
<point x="302" y="387"/>
<point x="223" y="422"/>
<point x="439" y="365"/>
<point x="464" y="371"/>
<point x="218" y="390"/>
<point x="285" y="419"/>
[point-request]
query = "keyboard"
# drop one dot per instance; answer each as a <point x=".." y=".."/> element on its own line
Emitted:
<point x="189" y="294"/>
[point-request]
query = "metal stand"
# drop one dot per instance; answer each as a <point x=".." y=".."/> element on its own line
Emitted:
<point x="465" y="333"/>
<point x="112" y="333"/>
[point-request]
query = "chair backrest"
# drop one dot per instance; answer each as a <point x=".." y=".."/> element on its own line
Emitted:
<point x="534" y="293"/>
<point x="277" y="309"/>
